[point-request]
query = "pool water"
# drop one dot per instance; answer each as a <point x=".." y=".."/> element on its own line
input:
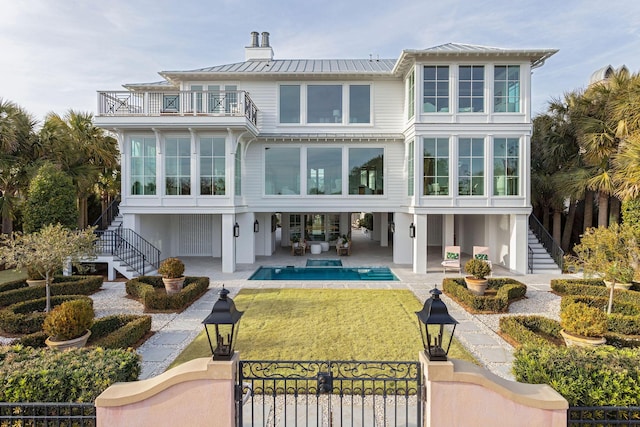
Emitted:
<point x="323" y="273"/>
<point x="324" y="263"/>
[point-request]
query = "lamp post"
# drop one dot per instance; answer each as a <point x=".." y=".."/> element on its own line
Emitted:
<point x="434" y="312"/>
<point x="256" y="226"/>
<point x="412" y="231"/>
<point x="223" y="323"/>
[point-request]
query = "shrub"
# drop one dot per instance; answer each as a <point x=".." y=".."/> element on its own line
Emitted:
<point x="477" y="268"/>
<point x="79" y="375"/>
<point x="530" y="330"/>
<point x="603" y="376"/>
<point x="507" y="290"/>
<point x="62" y="285"/>
<point x="583" y="320"/>
<point x="69" y="320"/>
<point x="171" y="268"/>
<point x="624" y="320"/>
<point x="28" y="317"/>
<point x="143" y="288"/>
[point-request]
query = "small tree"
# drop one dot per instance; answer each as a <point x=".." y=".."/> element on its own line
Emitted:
<point x="51" y="199"/>
<point x="47" y="250"/>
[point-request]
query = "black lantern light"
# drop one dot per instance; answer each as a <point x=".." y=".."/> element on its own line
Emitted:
<point x="412" y="231"/>
<point x="435" y="312"/>
<point x="224" y="317"/>
<point x="256" y="226"/>
<point x="236" y="230"/>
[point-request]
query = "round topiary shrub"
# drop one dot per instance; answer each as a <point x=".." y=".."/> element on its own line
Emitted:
<point x="171" y="268"/>
<point x="69" y="320"/>
<point x="477" y="268"/>
<point x="583" y="320"/>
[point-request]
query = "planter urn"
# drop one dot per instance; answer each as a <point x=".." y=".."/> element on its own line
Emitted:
<point x="174" y="285"/>
<point x="68" y="344"/>
<point x="572" y="340"/>
<point x="476" y="286"/>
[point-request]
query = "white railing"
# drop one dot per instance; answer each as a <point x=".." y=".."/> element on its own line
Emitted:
<point x="177" y="103"/>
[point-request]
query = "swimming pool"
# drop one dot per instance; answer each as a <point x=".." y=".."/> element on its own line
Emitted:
<point x="323" y="273"/>
<point x="324" y="263"/>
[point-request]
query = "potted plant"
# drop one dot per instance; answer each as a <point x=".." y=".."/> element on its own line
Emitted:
<point x="477" y="282"/>
<point x="67" y="325"/>
<point x="172" y="271"/>
<point x="34" y="277"/>
<point x="583" y="325"/>
<point x="611" y="253"/>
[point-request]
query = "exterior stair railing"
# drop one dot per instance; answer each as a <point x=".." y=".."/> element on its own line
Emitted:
<point x="106" y="218"/>
<point x="547" y="241"/>
<point x="129" y="248"/>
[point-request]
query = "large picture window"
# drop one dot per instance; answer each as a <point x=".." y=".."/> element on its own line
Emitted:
<point x="177" y="164"/>
<point x="282" y="170"/>
<point x="324" y="171"/>
<point x="505" y="166"/>
<point x="410" y="170"/>
<point x="359" y="104"/>
<point x="411" y="95"/>
<point x="436" y="89"/>
<point x="506" y="89"/>
<point x="289" y="103"/>
<point x="366" y="167"/>
<point x="143" y="166"/>
<point x="471" y="167"/>
<point x="212" y="166"/>
<point x="471" y="89"/>
<point x="436" y="166"/>
<point x="324" y="104"/>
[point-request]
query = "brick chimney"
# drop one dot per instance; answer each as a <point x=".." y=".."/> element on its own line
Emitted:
<point x="255" y="52"/>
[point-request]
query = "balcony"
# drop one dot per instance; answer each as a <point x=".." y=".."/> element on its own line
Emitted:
<point x="177" y="103"/>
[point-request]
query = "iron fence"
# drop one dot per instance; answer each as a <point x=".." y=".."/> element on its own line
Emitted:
<point x="47" y="414"/>
<point x="603" y="416"/>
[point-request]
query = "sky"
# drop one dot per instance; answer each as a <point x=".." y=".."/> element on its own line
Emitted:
<point x="56" y="54"/>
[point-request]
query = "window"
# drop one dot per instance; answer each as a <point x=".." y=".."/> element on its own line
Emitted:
<point x="290" y="104"/>
<point x="143" y="166"/>
<point x="238" y="173"/>
<point x="196" y="98"/>
<point x="471" y="167"/>
<point x="177" y="163"/>
<point x="282" y="170"/>
<point x="436" y="166"/>
<point x="411" y="95"/>
<point x="212" y="166"/>
<point x="366" y="171"/>
<point x="324" y="171"/>
<point x="324" y="104"/>
<point x="471" y="89"/>
<point x="505" y="166"/>
<point x="295" y="226"/>
<point x="359" y="104"/>
<point x="410" y="170"/>
<point x="436" y="89"/>
<point x="506" y="89"/>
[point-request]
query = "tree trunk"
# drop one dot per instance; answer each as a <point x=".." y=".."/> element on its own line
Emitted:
<point x="614" y="212"/>
<point x="588" y="210"/>
<point x="568" y="226"/>
<point x="7" y="225"/>
<point x="545" y="218"/>
<point x="557" y="225"/>
<point x="603" y="207"/>
<point x="82" y="212"/>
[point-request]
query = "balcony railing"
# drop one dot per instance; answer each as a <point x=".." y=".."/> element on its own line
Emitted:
<point x="177" y="103"/>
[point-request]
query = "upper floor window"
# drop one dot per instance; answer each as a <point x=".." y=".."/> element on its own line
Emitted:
<point x="411" y="95"/>
<point x="471" y="89"/>
<point x="359" y="104"/>
<point x="506" y="89"/>
<point x="410" y="170"/>
<point x="471" y="167"/>
<point x="282" y="170"/>
<point x="436" y="89"/>
<point x="289" y="103"/>
<point x="324" y="104"/>
<point x="143" y="166"/>
<point x="436" y="166"/>
<point x="324" y="171"/>
<point x="212" y="166"/>
<point x="366" y="171"/>
<point x="238" y="173"/>
<point x="177" y="166"/>
<point x="505" y="166"/>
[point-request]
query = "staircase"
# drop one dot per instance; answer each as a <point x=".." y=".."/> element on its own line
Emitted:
<point x="545" y="255"/>
<point x="122" y="249"/>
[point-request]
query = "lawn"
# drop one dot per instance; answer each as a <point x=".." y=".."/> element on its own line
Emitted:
<point x="325" y="324"/>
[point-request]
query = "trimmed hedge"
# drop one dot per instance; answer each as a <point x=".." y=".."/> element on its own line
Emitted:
<point x="28" y="317"/>
<point x="116" y="331"/>
<point x="507" y="291"/>
<point x="625" y="318"/>
<point x="62" y="285"/>
<point x="604" y="376"/>
<point x="79" y="375"/>
<point x="143" y="288"/>
<point x="530" y="330"/>
<point x="593" y="287"/>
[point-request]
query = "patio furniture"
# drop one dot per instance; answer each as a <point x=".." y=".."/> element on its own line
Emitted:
<point x="324" y="246"/>
<point x="482" y="253"/>
<point x="343" y="248"/>
<point x="298" y="249"/>
<point x="451" y="259"/>
<point x="315" y="248"/>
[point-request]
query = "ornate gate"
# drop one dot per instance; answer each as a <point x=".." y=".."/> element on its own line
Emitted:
<point x="329" y="393"/>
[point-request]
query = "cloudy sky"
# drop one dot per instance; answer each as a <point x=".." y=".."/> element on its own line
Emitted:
<point x="55" y="55"/>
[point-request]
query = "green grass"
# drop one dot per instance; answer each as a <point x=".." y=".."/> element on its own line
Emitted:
<point x="325" y="324"/>
<point x="11" y="275"/>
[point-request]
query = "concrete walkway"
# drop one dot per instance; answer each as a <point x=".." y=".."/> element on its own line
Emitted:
<point x="478" y="333"/>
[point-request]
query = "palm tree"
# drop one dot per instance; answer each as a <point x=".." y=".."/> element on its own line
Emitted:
<point x="83" y="150"/>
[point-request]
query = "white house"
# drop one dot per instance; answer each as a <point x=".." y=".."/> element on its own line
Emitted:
<point x="434" y="144"/>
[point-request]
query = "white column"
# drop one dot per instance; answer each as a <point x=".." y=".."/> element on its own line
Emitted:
<point x="402" y="243"/>
<point x="447" y="231"/>
<point x="245" y="242"/>
<point x="384" y="229"/>
<point x="228" y="244"/>
<point x="518" y="243"/>
<point x="420" y="244"/>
